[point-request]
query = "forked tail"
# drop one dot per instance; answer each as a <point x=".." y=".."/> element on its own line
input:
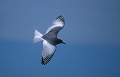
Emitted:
<point x="37" y="36"/>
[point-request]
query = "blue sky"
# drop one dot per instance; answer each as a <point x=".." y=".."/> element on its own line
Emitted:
<point x="91" y="32"/>
<point x="95" y="21"/>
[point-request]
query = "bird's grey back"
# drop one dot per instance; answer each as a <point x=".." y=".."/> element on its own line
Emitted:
<point x="51" y="36"/>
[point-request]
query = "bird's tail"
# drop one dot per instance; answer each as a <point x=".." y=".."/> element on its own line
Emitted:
<point x="37" y="36"/>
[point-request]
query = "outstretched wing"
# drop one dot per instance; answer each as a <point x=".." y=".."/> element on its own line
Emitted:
<point x="57" y="25"/>
<point x="48" y="52"/>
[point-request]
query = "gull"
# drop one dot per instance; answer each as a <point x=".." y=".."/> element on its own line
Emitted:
<point x="50" y="39"/>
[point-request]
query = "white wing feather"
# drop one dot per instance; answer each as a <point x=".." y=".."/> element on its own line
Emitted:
<point x="56" y="23"/>
<point x="48" y="52"/>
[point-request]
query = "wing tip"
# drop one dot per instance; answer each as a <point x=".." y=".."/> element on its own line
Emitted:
<point x="42" y="62"/>
<point x="60" y="17"/>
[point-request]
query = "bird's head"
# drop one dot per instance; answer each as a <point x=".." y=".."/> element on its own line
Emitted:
<point x="59" y="41"/>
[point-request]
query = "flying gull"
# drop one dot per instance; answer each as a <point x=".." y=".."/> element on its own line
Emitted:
<point x="50" y="39"/>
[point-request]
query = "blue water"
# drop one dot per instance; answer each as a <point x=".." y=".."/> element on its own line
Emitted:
<point x="18" y="59"/>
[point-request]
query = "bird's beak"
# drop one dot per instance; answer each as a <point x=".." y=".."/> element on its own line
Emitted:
<point x="64" y="43"/>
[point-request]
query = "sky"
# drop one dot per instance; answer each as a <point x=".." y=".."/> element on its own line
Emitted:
<point x="91" y="32"/>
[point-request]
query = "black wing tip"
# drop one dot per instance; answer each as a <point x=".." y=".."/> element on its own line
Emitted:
<point x="60" y="17"/>
<point x="42" y="62"/>
<point x="45" y="60"/>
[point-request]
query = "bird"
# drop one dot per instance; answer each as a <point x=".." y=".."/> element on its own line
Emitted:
<point x="50" y="39"/>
